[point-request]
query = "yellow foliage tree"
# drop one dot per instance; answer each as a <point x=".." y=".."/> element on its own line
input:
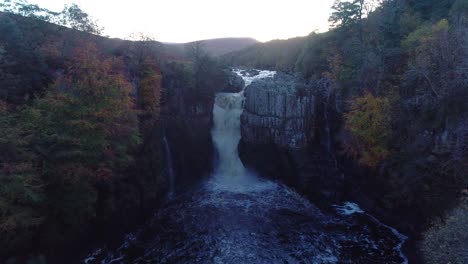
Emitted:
<point x="368" y="128"/>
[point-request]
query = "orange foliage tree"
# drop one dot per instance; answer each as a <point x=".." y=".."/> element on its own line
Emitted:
<point x="85" y="131"/>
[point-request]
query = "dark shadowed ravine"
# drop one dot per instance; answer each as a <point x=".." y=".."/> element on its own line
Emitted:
<point x="237" y="217"/>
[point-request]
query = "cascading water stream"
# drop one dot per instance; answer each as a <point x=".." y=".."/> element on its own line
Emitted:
<point x="226" y="134"/>
<point x="169" y="167"/>
<point x="229" y="172"/>
<point x="236" y="217"/>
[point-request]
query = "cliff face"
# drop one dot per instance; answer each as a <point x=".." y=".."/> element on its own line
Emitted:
<point x="187" y="114"/>
<point x="278" y="110"/>
<point x="283" y="138"/>
<point x="187" y="124"/>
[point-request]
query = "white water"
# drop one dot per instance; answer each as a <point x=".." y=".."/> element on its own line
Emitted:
<point x="230" y="173"/>
<point x="350" y="208"/>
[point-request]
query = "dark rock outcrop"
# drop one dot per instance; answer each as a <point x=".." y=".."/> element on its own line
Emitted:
<point x="279" y="110"/>
<point x="187" y="120"/>
<point x="250" y="72"/>
<point x="235" y="83"/>
<point x="281" y="130"/>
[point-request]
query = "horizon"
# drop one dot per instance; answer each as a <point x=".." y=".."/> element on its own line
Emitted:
<point x="208" y="19"/>
<point x="175" y="43"/>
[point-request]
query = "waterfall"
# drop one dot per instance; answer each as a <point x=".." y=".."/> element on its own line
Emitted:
<point x="327" y="129"/>
<point x="226" y="133"/>
<point x="237" y="217"/>
<point x="229" y="170"/>
<point x="169" y="166"/>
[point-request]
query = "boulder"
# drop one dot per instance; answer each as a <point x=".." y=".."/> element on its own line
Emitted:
<point x="235" y="83"/>
<point x="250" y="72"/>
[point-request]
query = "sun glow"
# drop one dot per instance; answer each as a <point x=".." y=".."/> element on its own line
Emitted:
<point x="186" y="20"/>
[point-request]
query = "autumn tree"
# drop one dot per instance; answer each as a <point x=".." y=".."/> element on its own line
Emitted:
<point x="144" y="60"/>
<point x="368" y="125"/>
<point x="150" y="88"/>
<point x="436" y="73"/>
<point x="85" y="132"/>
<point x="431" y="57"/>
<point x="21" y="187"/>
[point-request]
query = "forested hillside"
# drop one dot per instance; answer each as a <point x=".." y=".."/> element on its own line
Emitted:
<point x="399" y="91"/>
<point x="74" y="113"/>
<point x="80" y="130"/>
<point x="275" y="54"/>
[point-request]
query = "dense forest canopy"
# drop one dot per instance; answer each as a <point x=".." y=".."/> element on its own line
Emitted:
<point x="70" y="147"/>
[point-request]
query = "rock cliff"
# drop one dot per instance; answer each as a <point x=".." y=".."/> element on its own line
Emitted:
<point x="278" y="110"/>
<point x="187" y="123"/>
<point x="284" y="136"/>
<point x="187" y="116"/>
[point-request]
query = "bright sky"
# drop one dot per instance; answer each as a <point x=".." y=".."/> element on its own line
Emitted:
<point x="190" y="20"/>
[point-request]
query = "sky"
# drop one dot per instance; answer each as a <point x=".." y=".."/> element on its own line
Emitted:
<point x="190" y="20"/>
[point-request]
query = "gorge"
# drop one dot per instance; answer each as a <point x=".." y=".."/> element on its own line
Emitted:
<point x="235" y="216"/>
<point x="343" y="146"/>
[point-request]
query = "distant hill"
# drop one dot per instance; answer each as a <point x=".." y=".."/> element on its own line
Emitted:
<point x="216" y="47"/>
<point x="279" y="54"/>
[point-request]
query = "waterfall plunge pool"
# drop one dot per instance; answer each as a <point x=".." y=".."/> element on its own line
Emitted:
<point x="237" y="217"/>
